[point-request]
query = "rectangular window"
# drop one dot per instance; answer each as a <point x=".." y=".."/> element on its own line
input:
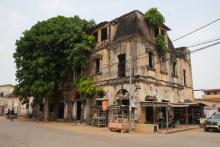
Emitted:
<point x="96" y="36"/>
<point x="163" y="65"/>
<point x="150" y="60"/>
<point x="174" y="69"/>
<point x="162" y="32"/>
<point x="184" y="77"/>
<point x="97" y="65"/>
<point x="208" y="93"/>
<point x="104" y="34"/>
<point x="1" y="94"/>
<point x="77" y="72"/>
<point x="156" y="31"/>
<point x="215" y="92"/>
<point x="121" y="65"/>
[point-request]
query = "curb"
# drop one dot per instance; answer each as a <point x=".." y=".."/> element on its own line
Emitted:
<point x="178" y="130"/>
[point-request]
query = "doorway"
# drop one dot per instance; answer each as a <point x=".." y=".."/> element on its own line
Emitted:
<point x="60" y="114"/>
<point x="78" y="110"/>
<point x="149" y="115"/>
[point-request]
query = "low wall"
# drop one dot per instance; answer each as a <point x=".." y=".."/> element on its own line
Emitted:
<point x="145" y="128"/>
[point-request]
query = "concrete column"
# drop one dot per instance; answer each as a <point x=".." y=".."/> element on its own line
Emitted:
<point x="69" y="111"/>
<point x="46" y="109"/>
<point x="65" y="116"/>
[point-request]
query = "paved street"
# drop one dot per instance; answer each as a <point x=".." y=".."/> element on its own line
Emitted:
<point x="29" y="134"/>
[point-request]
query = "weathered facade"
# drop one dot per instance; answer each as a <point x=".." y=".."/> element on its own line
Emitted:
<point x="211" y="98"/>
<point x="130" y="40"/>
<point x="9" y="101"/>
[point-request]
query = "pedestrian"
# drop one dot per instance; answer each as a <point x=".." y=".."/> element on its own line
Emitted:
<point x="9" y="111"/>
<point x="161" y="119"/>
<point x="12" y="113"/>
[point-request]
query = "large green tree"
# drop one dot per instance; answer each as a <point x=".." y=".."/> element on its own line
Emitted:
<point x="47" y="53"/>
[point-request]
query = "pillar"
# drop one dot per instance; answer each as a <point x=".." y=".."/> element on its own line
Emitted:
<point x="46" y="109"/>
<point x="65" y="115"/>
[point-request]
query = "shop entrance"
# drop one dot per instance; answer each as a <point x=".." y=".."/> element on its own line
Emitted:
<point x="149" y="115"/>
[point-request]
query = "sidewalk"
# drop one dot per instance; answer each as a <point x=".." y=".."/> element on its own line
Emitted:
<point x="178" y="128"/>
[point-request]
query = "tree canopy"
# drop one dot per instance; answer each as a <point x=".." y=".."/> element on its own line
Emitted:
<point x="154" y="17"/>
<point x="48" y="52"/>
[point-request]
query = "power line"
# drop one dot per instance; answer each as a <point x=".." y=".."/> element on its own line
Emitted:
<point x="202" y="43"/>
<point x="195" y="30"/>
<point x="205" y="47"/>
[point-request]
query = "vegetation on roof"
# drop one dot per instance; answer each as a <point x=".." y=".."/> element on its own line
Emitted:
<point x="154" y="17"/>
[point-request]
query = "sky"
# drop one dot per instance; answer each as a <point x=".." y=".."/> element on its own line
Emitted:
<point x="181" y="16"/>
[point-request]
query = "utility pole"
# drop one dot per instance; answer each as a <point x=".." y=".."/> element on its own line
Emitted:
<point x="130" y="87"/>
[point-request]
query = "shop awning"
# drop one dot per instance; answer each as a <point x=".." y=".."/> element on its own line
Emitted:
<point x="176" y="105"/>
<point x="156" y="104"/>
<point x="101" y="99"/>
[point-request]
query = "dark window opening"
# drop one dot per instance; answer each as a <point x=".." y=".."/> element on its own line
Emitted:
<point x="78" y="72"/>
<point x="208" y="93"/>
<point x="104" y="34"/>
<point x="156" y="31"/>
<point x="162" y="32"/>
<point x="174" y="68"/>
<point x="215" y="92"/>
<point x="1" y="94"/>
<point x="184" y="77"/>
<point x="125" y="102"/>
<point x="97" y="65"/>
<point x="150" y="58"/>
<point x="121" y="65"/>
<point x="96" y="36"/>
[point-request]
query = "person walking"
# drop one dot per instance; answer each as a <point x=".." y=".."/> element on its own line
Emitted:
<point x="12" y="113"/>
<point x="9" y="111"/>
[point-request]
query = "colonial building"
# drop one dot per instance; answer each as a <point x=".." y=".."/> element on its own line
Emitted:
<point x="126" y="45"/>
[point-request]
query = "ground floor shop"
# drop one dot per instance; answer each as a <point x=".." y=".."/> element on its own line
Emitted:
<point x="167" y="115"/>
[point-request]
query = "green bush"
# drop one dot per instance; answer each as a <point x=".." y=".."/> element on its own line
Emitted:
<point x="161" y="44"/>
<point x="154" y="17"/>
<point x="86" y="87"/>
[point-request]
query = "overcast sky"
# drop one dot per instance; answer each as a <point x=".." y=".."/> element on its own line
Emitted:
<point x="181" y="16"/>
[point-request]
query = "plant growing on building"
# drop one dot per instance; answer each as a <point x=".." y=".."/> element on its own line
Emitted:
<point x="161" y="44"/>
<point x="85" y="87"/>
<point x="47" y="53"/>
<point x="154" y="17"/>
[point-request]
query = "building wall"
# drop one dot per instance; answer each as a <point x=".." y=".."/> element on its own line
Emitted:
<point x="6" y="89"/>
<point x="8" y="101"/>
<point x="146" y="81"/>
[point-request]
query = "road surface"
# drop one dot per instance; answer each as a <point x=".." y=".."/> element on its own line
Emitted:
<point x="28" y="134"/>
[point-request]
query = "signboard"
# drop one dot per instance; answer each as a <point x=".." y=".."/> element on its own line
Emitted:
<point x="104" y="105"/>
